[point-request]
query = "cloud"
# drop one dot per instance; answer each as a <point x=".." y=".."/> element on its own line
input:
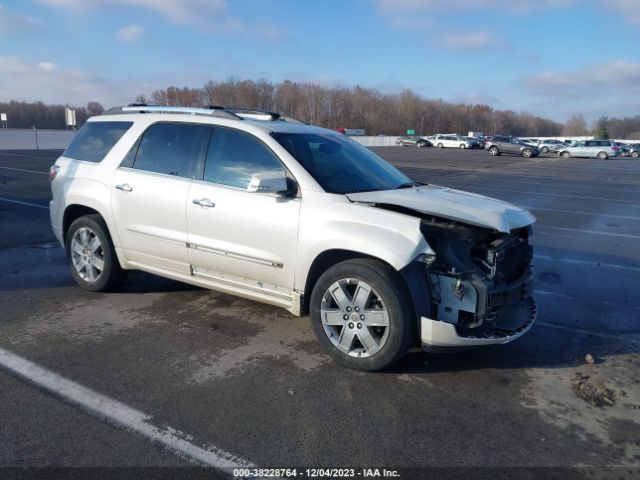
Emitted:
<point x="51" y="83"/>
<point x="210" y="16"/>
<point x="48" y="66"/>
<point x="480" y="40"/>
<point x="177" y="11"/>
<point x="130" y="33"/>
<point x="16" y="23"/>
<point x="438" y="6"/>
<point x="615" y="76"/>
<point x="630" y="9"/>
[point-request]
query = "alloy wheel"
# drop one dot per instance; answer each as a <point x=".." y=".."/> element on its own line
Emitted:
<point x="354" y="318"/>
<point x="87" y="254"/>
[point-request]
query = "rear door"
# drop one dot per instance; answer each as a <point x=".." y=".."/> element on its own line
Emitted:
<point x="149" y="194"/>
<point x="244" y="238"/>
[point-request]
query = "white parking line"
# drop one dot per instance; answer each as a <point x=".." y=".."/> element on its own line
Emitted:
<point x="116" y="413"/>
<point x="623" y="337"/>
<point x="584" y="197"/>
<point x="577" y="212"/>
<point x="587" y="262"/>
<point x="18" y="202"/>
<point x="591" y="232"/>
<point x="23" y="170"/>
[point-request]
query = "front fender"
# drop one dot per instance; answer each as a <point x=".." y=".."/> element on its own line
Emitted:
<point x="392" y="237"/>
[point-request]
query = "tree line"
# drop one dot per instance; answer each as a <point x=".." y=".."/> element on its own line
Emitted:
<point x="342" y="107"/>
<point x="357" y="107"/>
<point x="40" y="115"/>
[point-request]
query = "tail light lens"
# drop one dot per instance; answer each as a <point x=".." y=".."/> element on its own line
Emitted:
<point x="53" y="172"/>
<point x="615" y="149"/>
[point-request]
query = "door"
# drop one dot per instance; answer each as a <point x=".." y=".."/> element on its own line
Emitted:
<point x="514" y="146"/>
<point x="149" y="194"/>
<point x="248" y="239"/>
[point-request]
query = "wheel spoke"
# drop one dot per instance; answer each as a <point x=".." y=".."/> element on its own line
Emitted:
<point x="94" y="244"/>
<point x="77" y="262"/>
<point x="76" y="247"/>
<point x="340" y="296"/>
<point x="98" y="263"/>
<point x="84" y="237"/>
<point x="376" y="318"/>
<point x="332" y="317"/>
<point x="368" y="342"/>
<point x="363" y="292"/>
<point x="345" y="342"/>
<point x="90" y="273"/>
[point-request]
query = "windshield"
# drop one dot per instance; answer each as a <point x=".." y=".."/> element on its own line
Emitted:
<point x="341" y="165"/>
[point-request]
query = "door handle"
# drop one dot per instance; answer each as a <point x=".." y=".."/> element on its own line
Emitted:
<point x="204" y="202"/>
<point x="125" y="187"/>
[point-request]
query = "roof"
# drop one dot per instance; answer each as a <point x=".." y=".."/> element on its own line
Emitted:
<point x="269" y="121"/>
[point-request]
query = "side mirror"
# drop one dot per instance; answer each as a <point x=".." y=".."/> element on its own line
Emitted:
<point x="272" y="182"/>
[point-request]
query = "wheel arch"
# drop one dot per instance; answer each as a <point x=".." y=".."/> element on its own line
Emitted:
<point x="73" y="211"/>
<point x="329" y="258"/>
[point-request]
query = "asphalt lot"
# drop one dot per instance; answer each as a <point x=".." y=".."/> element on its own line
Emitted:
<point x="250" y="379"/>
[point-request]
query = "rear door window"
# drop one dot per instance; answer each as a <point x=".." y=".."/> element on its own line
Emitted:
<point x="172" y="149"/>
<point x="95" y="139"/>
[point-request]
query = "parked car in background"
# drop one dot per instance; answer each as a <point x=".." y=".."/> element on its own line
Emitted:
<point x="597" y="148"/>
<point x="412" y="140"/>
<point x="500" y="144"/>
<point x="634" y="150"/>
<point x="476" y="142"/>
<point x="452" y="141"/>
<point x="531" y="141"/>
<point x="550" y="145"/>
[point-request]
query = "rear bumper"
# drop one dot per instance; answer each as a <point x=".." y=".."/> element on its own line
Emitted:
<point x="436" y="334"/>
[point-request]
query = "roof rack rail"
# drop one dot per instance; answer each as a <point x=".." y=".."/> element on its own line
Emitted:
<point x="143" y="108"/>
<point x="236" y="113"/>
<point x="253" y="113"/>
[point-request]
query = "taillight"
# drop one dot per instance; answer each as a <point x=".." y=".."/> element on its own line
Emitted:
<point x="53" y="172"/>
<point x="615" y="149"/>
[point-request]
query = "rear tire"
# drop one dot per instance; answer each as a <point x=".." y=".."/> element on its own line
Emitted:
<point x="527" y="153"/>
<point x="92" y="258"/>
<point x="462" y="145"/>
<point x="544" y="149"/>
<point x="362" y="314"/>
<point x="565" y="155"/>
<point x="635" y="154"/>
<point x="494" y="151"/>
<point x="440" y="145"/>
<point x="603" y="155"/>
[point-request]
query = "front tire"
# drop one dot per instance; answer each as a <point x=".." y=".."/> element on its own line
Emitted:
<point x="362" y="315"/>
<point x="565" y="155"/>
<point x="440" y="145"/>
<point x="91" y="255"/>
<point x="635" y="154"/>
<point x="527" y="153"/>
<point x="494" y="151"/>
<point x="462" y="145"/>
<point x="603" y="155"/>
<point x="544" y="149"/>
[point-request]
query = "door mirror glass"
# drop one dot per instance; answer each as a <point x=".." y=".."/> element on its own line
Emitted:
<point x="272" y="182"/>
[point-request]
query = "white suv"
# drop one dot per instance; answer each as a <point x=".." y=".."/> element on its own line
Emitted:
<point x="267" y="208"/>
<point x="452" y="141"/>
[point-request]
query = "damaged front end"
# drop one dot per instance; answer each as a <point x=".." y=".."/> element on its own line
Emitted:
<point x="479" y="285"/>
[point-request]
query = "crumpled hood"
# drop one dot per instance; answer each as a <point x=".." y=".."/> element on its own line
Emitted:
<point x="456" y="205"/>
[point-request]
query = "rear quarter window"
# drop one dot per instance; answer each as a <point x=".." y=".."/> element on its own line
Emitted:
<point x="95" y="139"/>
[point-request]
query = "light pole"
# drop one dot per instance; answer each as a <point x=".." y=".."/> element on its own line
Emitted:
<point x="36" y="132"/>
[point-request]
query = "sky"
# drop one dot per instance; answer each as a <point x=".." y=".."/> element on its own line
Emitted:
<point x="553" y="58"/>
